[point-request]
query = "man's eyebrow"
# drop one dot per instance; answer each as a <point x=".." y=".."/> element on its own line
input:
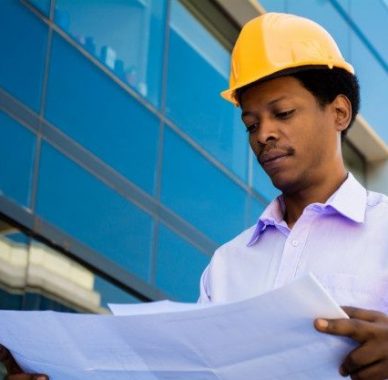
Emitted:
<point x="247" y="113"/>
<point x="250" y="113"/>
<point x="277" y="100"/>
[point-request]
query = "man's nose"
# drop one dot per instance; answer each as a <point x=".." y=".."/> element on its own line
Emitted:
<point x="267" y="131"/>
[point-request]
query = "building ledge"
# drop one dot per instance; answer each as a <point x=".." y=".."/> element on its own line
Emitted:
<point x="241" y="11"/>
<point x="367" y="141"/>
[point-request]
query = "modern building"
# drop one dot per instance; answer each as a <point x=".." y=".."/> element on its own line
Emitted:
<point x="121" y="168"/>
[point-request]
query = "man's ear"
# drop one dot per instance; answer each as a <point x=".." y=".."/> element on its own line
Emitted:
<point x="342" y="112"/>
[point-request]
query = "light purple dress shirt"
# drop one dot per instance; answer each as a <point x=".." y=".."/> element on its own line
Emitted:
<point x="343" y="242"/>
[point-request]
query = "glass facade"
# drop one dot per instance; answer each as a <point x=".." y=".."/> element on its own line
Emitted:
<point x="129" y="168"/>
<point x="198" y="68"/>
<point x="127" y="37"/>
<point x="100" y="115"/>
<point x="88" y="210"/>
<point x="127" y="157"/>
<point x="24" y="37"/>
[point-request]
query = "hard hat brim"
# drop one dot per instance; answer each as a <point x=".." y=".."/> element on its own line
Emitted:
<point x="229" y="94"/>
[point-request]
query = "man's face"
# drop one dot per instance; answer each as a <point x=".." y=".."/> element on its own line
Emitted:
<point x="294" y="138"/>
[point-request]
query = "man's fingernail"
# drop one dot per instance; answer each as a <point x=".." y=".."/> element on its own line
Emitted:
<point x="41" y="377"/>
<point x="322" y="324"/>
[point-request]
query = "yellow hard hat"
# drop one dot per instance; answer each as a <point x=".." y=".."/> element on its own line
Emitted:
<point x="274" y="42"/>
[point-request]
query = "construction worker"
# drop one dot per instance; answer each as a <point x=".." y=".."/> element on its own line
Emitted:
<point x="298" y="98"/>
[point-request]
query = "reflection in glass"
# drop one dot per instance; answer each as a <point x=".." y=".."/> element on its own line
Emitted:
<point x="126" y="36"/>
<point x="93" y="110"/>
<point x="34" y="276"/>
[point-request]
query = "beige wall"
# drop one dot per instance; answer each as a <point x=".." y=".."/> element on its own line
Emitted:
<point x="377" y="176"/>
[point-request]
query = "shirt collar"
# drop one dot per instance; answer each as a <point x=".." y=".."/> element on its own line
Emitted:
<point x="271" y="216"/>
<point x="349" y="201"/>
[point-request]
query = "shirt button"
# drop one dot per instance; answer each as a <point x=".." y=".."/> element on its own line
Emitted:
<point x="295" y="243"/>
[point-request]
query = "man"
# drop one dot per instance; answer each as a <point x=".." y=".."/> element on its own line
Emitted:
<point x="298" y="97"/>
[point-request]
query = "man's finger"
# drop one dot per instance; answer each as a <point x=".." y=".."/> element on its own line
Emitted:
<point x="352" y="328"/>
<point x="13" y="369"/>
<point x="372" y="372"/>
<point x="363" y="314"/>
<point x="360" y="358"/>
<point x="9" y="362"/>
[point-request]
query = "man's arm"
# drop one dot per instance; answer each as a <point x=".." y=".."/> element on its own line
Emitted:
<point x="369" y="360"/>
<point x="13" y="370"/>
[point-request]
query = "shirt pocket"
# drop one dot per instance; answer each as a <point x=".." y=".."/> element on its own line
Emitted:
<point x="358" y="291"/>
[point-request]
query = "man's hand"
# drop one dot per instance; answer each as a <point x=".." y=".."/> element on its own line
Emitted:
<point x="370" y="328"/>
<point x="13" y="369"/>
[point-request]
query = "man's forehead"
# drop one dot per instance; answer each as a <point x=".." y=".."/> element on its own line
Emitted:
<point x="271" y="92"/>
<point x="275" y="84"/>
<point x="268" y="104"/>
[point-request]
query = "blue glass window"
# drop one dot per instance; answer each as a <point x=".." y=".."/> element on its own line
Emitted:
<point x="88" y="106"/>
<point x="126" y="36"/>
<point x="76" y="202"/>
<point x="371" y="18"/>
<point x="198" y="69"/>
<point x="179" y="266"/>
<point x="199" y="192"/>
<point x="110" y="293"/>
<point x="16" y="160"/>
<point x="23" y="41"/>
<point x="42" y="5"/>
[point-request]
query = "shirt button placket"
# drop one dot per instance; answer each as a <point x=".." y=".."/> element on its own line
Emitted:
<point x="292" y="251"/>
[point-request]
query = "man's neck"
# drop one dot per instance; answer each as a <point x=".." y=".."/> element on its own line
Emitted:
<point x="296" y="202"/>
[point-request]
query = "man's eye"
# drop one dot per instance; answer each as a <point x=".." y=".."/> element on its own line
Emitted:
<point x="251" y="128"/>
<point x="284" y="115"/>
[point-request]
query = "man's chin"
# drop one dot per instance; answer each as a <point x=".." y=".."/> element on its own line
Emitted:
<point x="285" y="183"/>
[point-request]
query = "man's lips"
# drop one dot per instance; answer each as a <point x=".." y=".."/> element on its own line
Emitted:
<point x="267" y="157"/>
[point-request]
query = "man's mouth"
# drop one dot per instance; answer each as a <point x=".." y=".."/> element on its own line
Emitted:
<point x="272" y="157"/>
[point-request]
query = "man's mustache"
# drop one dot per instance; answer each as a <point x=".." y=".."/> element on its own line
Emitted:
<point x="274" y="150"/>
